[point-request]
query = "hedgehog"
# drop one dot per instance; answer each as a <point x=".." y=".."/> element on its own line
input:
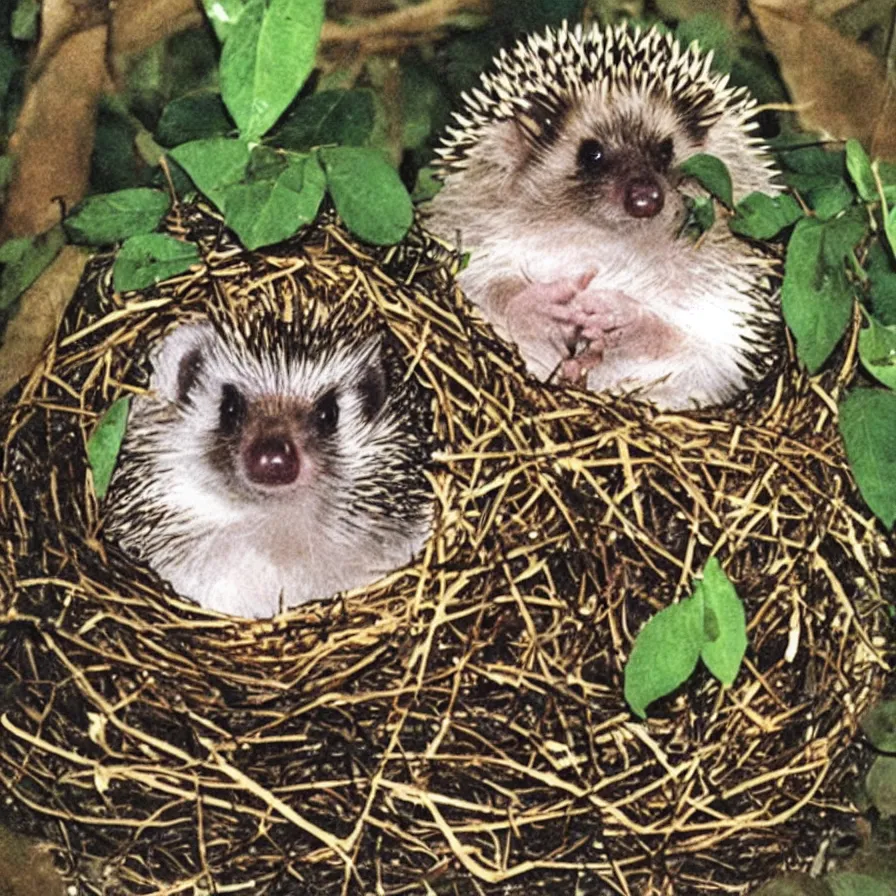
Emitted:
<point x="263" y="469"/>
<point x="561" y="180"/>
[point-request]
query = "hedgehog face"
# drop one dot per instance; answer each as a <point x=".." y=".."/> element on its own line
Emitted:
<point x="607" y="161"/>
<point x="587" y="127"/>
<point x="265" y="428"/>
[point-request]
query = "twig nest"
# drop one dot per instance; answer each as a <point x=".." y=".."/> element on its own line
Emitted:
<point x="459" y="725"/>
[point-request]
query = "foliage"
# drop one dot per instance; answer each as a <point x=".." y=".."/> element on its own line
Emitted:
<point x="105" y="442"/>
<point x="710" y="625"/>
<point x="148" y="258"/>
<point x="24" y="259"/>
<point x="109" y="217"/>
<point x="841" y="249"/>
<point x="712" y="174"/>
<point x="840" y="234"/>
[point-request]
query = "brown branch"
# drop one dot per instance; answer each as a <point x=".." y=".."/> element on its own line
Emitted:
<point x="423" y="18"/>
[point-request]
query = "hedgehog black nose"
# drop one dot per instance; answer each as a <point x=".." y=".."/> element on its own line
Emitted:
<point x="272" y="460"/>
<point x="643" y="198"/>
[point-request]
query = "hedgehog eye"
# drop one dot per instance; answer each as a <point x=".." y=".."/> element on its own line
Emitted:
<point x="187" y="373"/>
<point x="326" y="413"/>
<point x="591" y="158"/>
<point x="232" y="412"/>
<point x="664" y="153"/>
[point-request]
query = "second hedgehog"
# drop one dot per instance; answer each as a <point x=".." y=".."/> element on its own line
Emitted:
<point x="562" y="181"/>
<point x="271" y="465"/>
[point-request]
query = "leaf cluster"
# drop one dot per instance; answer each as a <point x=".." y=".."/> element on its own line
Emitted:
<point x="266" y="187"/>
<point x="710" y="625"/>
<point x="840" y="224"/>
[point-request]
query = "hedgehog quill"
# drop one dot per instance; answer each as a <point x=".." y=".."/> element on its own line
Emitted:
<point x="561" y="179"/>
<point x="263" y="471"/>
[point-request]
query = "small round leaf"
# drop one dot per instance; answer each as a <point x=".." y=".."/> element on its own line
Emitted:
<point x="368" y="194"/>
<point x="149" y="258"/>
<point x="110" y="217"/>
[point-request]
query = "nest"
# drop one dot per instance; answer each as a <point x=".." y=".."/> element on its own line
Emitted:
<point x="458" y="727"/>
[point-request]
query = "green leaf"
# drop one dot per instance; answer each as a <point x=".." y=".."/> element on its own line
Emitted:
<point x="811" y="184"/>
<point x="859" y="166"/>
<point x="810" y="158"/>
<point x="24" y="20"/>
<point x="868" y="428"/>
<point x="877" y="350"/>
<point x="266" y="58"/>
<point x="223" y="15"/>
<point x="880" y="785"/>
<point x="882" y="277"/>
<point x="268" y="211"/>
<point x="28" y="257"/>
<point x="829" y="200"/>
<point x="109" y="217"/>
<point x="879" y="726"/>
<point x="844" y="233"/>
<point x="727" y="644"/>
<point x="368" y="194"/>
<point x="712" y="173"/>
<point x="794" y="884"/>
<point x="664" y="654"/>
<point x="849" y="883"/>
<point x="265" y="194"/>
<point x="193" y="116"/>
<point x="149" y="258"/>
<point x="105" y="442"/>
<point x="762" y="217"/>
<point x="213" y="164"/>
<point x="701" y="215"/>
<point x="815" y="297"/>
<point x="343" y="117"/>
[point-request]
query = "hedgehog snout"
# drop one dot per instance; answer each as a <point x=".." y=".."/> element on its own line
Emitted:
<point x="643" y="197"/>
<point x="272" y="459"/>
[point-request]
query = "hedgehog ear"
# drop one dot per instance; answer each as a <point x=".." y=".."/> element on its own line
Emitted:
<point x="178" y="359"/>
<point x="531" y="130"/>
<point x="540" y="124"/>
<point x="506" y="146"/>
<point x="373" y="385"/>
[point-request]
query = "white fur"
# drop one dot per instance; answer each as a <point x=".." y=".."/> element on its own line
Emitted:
<point x="234" y="546"/>
<point x="702" y="292"/>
